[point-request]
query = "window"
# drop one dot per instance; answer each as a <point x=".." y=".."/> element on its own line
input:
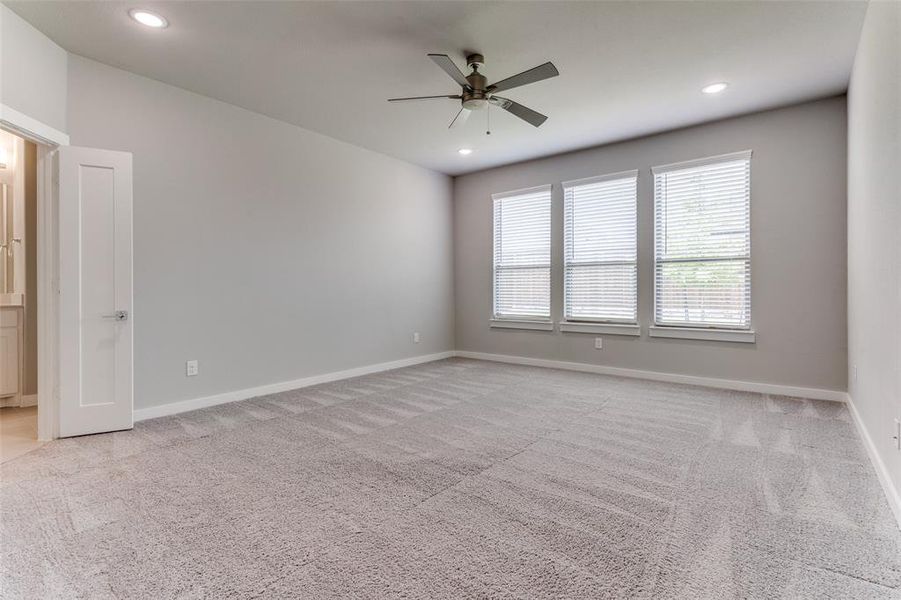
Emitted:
<point x="702" y="243"/>
<point x="522" y="254"/>
<point x="600" y="275"/>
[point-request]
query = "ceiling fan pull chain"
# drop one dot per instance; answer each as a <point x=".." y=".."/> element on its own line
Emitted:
<point x="488" y="117"/>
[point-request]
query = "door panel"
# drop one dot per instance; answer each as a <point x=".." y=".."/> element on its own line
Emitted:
<point x="98" y="290"/>
<point x="95" y="207"/>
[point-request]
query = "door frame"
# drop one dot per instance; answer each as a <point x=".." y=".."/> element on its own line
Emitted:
<point x="47" y="140"/>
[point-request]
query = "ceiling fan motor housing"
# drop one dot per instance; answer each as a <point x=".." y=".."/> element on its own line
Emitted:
<point x="475" y="97"/>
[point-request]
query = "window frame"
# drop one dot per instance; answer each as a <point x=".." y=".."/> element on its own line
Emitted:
<point x="701" y="330"/>
<point x="602" y="325"/>
<point x="511" y="321"/>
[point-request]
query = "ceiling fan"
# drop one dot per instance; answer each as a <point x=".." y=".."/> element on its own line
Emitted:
<point x="477" y="94"/>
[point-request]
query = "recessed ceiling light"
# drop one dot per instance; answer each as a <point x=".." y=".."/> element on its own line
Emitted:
<point x="715" y="88"/>
<point x="465" y="151"/>
<point x="145" y="17"/>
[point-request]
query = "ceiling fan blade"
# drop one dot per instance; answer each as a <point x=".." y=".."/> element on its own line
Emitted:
<point x="526" y="114"/>
<point x="460" y="118"/>
<point x="423" y="98"/>
<point x="449" y="67"/>
<point x="539" y="73"/>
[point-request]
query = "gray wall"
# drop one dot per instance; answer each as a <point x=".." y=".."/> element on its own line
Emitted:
<point x="874" y="231"/>
<point x="263" y="250"/>
<point x="32" y="71"/>
<point x="798" y="257"/>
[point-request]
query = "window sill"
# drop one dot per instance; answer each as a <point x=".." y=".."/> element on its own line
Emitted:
<point x="522" y="324"/>
<point x="692" y="333"/>
<point x="608" y="328"/>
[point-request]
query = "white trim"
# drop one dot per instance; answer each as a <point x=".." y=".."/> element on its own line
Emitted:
<point x="747" y="336"/>
<point x="710" y="160"/>
<point x="633" y="174"/>
<point x="174" y="408"/>
<point x="728" y="384"/>
<point x="892" y="493"/>
<point x="497" y="201"/>
<point x="700" y="162"/>
<point x="46" y="138"/>
<point x="610" y="328"/>
<point x="522" y="324"/>
<point x="531" y="190"/>
<point x="32" y="129"/>
<point x="29" y="400"/>
<point x="48" y="294"/>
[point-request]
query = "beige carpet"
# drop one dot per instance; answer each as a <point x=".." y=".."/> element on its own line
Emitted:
<point x="459" y="479"/>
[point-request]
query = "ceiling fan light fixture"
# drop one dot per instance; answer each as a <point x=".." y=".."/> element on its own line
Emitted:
<point x="715" y="88"/>
<point x="465" y="151"/>
<point x="147" y="18"/>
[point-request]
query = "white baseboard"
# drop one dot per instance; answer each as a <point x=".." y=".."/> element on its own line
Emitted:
<point x="173" y="408"/>
<point x="729" y="384"/>
<point x="892" y="493"/>
<point x="272" y="388"/>
<point x="29" y="400"/>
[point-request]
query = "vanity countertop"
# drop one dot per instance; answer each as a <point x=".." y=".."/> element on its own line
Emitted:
<point x="12" y="300"/>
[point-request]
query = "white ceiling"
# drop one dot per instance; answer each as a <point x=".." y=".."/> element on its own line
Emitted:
<point x="626" y="68"/>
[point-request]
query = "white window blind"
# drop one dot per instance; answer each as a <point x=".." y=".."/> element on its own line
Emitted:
<point x="702" y="243"/>
<point x="522" y="254"/>
<point x="600" y="275"/>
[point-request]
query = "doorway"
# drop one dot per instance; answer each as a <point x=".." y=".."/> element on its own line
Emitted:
<point x="84" y="282"/>
<point x="18" y="297"/>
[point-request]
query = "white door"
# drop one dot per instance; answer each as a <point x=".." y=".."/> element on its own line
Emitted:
<point x="95" y="291"/>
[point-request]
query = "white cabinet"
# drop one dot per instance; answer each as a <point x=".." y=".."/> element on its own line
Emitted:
<point x="11" y="345"/>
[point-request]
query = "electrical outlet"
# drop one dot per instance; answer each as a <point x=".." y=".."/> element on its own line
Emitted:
<point x="191" y="368"/>
<point x="598" y="343"/>
<point x="415" y="337"/>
